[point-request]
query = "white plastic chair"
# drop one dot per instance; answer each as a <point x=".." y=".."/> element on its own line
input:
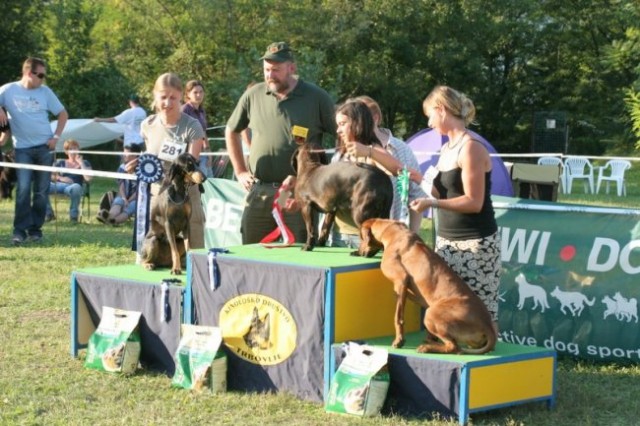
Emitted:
<point x="554" y="161"/>
<point x="578" y="168"/>
<point x="618" y="167"/>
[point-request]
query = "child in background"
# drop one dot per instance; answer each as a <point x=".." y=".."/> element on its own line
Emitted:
<point x="69" y="184"/>
<point x="123" y="205"/>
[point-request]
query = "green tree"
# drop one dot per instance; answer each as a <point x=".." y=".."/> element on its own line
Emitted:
<point x="624" y="55"/>
<point x="20" y="37"/>
<point x="88" y="86"/>
<point x="574" y="75"/>
<point x="512" y="57"/>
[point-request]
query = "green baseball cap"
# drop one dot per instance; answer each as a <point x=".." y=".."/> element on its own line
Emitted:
<point x="278" y="52"/>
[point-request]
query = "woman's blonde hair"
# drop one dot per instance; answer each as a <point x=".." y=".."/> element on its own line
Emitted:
<point x="457" y="103"/>
<point x="167" y="80"/>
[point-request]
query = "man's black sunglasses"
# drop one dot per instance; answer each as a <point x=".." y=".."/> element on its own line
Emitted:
<point x="40" y="75"/>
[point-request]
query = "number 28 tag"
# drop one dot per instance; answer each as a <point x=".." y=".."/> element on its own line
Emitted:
<point x="170" y="150"/>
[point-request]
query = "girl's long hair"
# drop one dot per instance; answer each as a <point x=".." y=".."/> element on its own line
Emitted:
<point x="362" y="124"/>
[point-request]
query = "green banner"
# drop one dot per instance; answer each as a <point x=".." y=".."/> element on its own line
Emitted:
<point x="569" y="272"/>
<point x="570" y="278"/>
<point x="223" y="202"/>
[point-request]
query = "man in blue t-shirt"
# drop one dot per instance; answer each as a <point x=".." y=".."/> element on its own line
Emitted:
<point x="28" y="103"/>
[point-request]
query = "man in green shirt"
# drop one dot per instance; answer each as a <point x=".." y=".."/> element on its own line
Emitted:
<point x="271" y="110"/>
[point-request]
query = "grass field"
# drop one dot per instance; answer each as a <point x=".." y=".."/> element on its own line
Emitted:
<point x="40" y="384"/>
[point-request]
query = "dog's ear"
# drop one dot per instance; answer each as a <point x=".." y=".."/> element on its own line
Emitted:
<point x="316" y="153"/>
<point x="365" y="232"/>
<point x="178" y="168"/>
<point x="365" y="239"/>
<point x="174" y="170"/>
<point x="294" y="161"/>
<point x="369" y="246"/>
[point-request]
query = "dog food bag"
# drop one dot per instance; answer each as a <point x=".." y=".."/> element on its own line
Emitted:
<point x="360" y="385"/>
<point x="200" y="363"/>
<point x="115" y="345"/>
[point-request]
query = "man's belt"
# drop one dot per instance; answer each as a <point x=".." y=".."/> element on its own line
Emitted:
<point x="272" y="184"/>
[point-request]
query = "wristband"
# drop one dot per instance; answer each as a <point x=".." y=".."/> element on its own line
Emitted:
<point x="55" y="137"/>
<point x="435" y="203"/>
<point x="370" y="151"/>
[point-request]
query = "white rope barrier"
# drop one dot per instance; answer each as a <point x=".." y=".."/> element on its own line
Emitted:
<point x="217" y="127"/>
<point x="84" y="172"/>
<point x="542" y="154"/>
<point x="115" y="175"/>
<point x="418" y="153"/>
<point x="112" y="153"/>
<point x="573" y="208"/>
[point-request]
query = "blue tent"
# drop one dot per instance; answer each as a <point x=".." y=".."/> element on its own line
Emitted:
<point x="427" y="143"/>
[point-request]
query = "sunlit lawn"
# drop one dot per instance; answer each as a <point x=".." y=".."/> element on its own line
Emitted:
<point x="41" y="384"/>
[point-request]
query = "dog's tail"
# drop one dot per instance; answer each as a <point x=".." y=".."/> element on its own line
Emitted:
<point x="489" y="345"/>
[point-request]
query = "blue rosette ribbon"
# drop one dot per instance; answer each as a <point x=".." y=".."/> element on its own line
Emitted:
<point x="149" y="170"/>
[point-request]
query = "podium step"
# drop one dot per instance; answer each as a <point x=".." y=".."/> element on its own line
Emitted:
<point x="455" y="386"/>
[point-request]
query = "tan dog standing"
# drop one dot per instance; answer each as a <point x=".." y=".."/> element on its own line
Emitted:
<point x="456" y="315"/>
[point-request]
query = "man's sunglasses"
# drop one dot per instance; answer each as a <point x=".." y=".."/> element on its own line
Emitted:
<point x="40" y="75"/>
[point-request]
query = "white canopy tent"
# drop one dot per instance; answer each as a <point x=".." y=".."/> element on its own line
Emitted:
<point x="87" y="132"/>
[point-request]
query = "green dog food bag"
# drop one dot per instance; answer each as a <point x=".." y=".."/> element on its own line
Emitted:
<point x="360" y="385"/>
<point x="115" y="345"/>
<point x="200" y="362"/>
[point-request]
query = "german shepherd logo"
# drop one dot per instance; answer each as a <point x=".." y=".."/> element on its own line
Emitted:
<point x="259" y="332"/>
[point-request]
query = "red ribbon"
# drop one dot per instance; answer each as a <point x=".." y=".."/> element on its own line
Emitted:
<point x="282" y="228"/>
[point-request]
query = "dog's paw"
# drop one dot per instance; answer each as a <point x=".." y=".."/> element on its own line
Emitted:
<point x="398" y="342"/>
<point x="149" y="266"/>
<point x="355" y="253"/>
<point x="423" y="349"/>
<point x="307" y="247"/>
<point x="175" y="271"/>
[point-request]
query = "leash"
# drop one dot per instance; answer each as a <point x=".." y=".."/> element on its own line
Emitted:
<point x="279" y="200"/>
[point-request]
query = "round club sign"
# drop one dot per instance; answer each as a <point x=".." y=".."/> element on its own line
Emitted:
<point x="258" y="329"/>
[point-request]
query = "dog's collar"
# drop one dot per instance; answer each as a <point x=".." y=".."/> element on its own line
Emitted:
<point x="184" y="200"/>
